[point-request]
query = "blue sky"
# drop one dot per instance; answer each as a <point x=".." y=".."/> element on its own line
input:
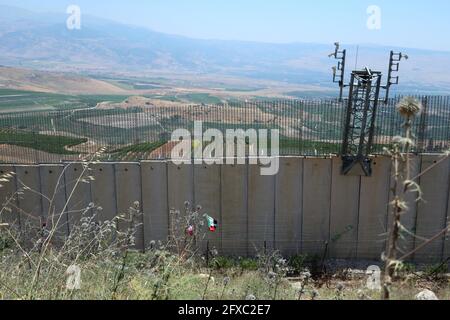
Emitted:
<point x="408" y="23"/>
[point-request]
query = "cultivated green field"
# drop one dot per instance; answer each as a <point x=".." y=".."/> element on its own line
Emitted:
<point x="42" y="142"/>
<point x="20" y="101"/>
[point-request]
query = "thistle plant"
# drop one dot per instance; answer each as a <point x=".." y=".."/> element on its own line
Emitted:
<point x="305" y="278"/>
<point x="340" y="291"/>
<point x="187" y="230"/>
<point x="408" y="108"/>
<point x="274" y="268"/>
<point x="225" y="283"/>
<point x="403" y="184"/>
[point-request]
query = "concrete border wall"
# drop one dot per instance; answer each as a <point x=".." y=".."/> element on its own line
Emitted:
<point x="307" y="208"/>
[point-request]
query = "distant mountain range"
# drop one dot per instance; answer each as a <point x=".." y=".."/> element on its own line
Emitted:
<point x="42" y="41"/>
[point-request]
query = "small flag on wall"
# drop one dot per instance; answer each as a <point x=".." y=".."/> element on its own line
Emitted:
<point x="212" y="223"/>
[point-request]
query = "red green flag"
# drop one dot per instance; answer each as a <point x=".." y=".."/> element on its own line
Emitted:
<point x="212" y="223"/>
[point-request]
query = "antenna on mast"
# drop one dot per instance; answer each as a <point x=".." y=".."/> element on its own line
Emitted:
<point x="357" y="56"/>
<point x="394" y="66"/>
<point x="339" y="71"/>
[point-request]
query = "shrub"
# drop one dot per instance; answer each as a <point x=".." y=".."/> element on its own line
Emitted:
<point x="297" y="263"/>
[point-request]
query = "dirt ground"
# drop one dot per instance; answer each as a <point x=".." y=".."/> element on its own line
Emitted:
<point x="16" y="154"/>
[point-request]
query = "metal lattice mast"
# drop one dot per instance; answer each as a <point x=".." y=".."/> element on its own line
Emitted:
<point x="363" y="100"/>
<point x="360" y="121"/>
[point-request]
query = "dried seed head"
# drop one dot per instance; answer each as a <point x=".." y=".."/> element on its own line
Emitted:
<point x="315" y="294"/>
<point x="305" y="275"/>
<point x="409" y="107"/>
<point x="402" y="141"/>
<point x="271" y="275"/>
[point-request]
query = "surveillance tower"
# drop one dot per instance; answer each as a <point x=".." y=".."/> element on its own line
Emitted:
<point x="362" y="102"/>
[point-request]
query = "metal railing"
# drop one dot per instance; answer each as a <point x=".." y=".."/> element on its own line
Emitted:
<point x="307" y="128"/>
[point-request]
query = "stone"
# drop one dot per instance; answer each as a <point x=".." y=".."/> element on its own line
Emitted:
<point x="426" y="295"/>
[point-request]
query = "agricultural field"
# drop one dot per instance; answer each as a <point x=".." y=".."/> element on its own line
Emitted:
<point x="200" y="98"/>
<point x="47" y="143"/>
<point x="28" y="101"/>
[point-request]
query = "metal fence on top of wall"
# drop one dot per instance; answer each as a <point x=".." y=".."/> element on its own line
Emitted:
<point x="307" y="128"/>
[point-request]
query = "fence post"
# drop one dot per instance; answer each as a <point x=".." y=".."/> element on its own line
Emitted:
<point x="421" y="136"/>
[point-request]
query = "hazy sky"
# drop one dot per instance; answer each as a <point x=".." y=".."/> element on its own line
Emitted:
<point x="410" y="23"/>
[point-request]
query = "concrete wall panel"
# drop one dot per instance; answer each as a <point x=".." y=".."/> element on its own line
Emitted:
<point x="129" y="200"/>
<point x="181" y="187"/>
<point x="78" y="193"/>
<point x="373" y="210"/>
<point x="103" y="191"/>
<point x="432" y="213"/>
<point x="180" y="190"/>
<point x="316" y="206"/>
<point x="53" y="189"/>
<point x="207" y="186"/>
<point x="30" y="203"/>
<point x="8" y="197"/>
<point x="288" y="208"/>
<point x="154" y="201"/>
<point x="344" y="213"/>
<point x="261" y="211"/>
<point x="234" y="210"/>
<point x="447" y="238"/>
